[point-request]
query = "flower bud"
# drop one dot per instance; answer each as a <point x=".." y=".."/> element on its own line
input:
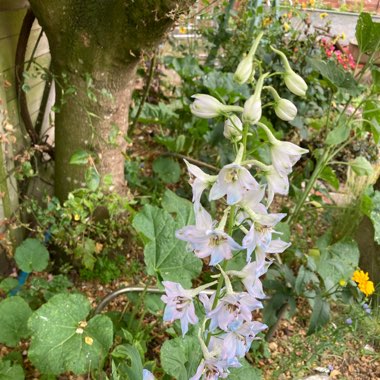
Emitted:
<point x="293" y="81"/>
<point x="252" y="107"/>
<point x="285" y="109"/>
<point x="244" y="70"/>
<point x="233" y="128"/>
<point x="206" y="106"/>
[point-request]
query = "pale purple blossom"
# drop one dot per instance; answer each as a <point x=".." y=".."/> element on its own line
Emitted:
<point x="147" y="375"/>
<point x="238" y="340"/>
<point x="234" y="181"/>
<point x="179" y="305"/>
<point x="277" y="184"/>
<point x="205" y="240"/>
<point x="231" y="307"/>
<point x="199" y="181"/>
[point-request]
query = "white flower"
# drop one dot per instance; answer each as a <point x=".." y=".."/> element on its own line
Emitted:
<point x="233" y="128"/>
<point x="277" y="184"/>
<point x="234" y="181"/>
<point x="284" y="154"/>
<point x="293" y="81"/>
<point x="207" y="107"/>
<point x="199" y="181"/>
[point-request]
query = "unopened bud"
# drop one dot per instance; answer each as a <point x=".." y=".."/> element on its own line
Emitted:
<point x="206" y="106"/>
<point x="285" y="109"/>
<point x="233" y="128"/>
<point x="293" y="81"/>
<point x="244" y="70"/>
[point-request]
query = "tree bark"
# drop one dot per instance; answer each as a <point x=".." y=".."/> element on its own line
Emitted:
<point x="96" y="46"/>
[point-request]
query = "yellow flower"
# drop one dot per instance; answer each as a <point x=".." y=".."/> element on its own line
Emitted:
<point x="182" y="29"/>
<point x="88" y="340"/>
<point x="367" y="287"/>
<point x="286" y="27"/>
<point x="76" y="217"/>
<point x="359" y="276"/>
<point x="267" y="21"/>
<point x="342" y="282"/>
<point x="342" y="36"/>
<point x="323" y="15"/>
<point x="312" y="3"/>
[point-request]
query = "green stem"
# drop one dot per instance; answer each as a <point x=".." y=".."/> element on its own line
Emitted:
<point x="319" y="167"/>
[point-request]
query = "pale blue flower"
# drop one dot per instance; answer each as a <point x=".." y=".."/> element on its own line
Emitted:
<point x="349" y="321"/>
<point x="232" y="307"/>
<point x="234" y="181"/>
<point x="238" y="340"/>
<point x="179" y="305"/>
<point x="147" y="375"/>
<point x="206" y="241"/>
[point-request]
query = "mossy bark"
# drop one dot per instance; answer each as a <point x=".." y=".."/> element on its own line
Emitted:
<point x="96" y="46"/>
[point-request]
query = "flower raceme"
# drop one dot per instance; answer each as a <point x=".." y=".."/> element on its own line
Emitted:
<point x="226" y="326"/>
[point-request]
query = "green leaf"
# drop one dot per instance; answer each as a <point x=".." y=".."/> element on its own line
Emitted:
<point x="14" y="315"/>
<point x="166" y="256"/>
<point x="246" y="372"/>
<point x="128" y="361"/>
<point x="167" y="169"/>
<point x="375" y="215"/>
<point x="338" y="262"/>
<point x="31" y="256"/>
<point x="320" y="315"/>
<point x="11" y="372"/>
<point x="80" y="157"/>
<point x="155" y="114"/>
<point x="180" y="357"/>
<point x="361" y="166"/>
<point x="367" y="33"/>
<point x="63" y="341"/>
<point x="328" y="175"/>
<point x="338" y="134"/>
<point x="92" y="179"/>
<point x="335" y="75"/>
<point x="8" y="284"/>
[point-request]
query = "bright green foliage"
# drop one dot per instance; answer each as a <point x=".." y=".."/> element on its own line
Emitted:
<point x="328" y="175"/>
<point x="337" y="262"/>
<point x="31" y="256"/>
<point x="8" y="284"/>
<point x="166" y="256"/>
<point x="11" y="372"/>
<point x="92" y="179"/>
<point x="63" y="341"/>
<point x="375" y="215"/>
<point x="320" y="315"/>
<point x="167" y="169"/>
<point x="338" y="135"/>
<point x="361" y="166"/>
<point x="367" y="33"/>
<point x="80" y="157"/>
<point x="246" y="371"/>
<point x="180" y="357"/>
<point x="14" y="314"/>
<point x="127" y="362"/>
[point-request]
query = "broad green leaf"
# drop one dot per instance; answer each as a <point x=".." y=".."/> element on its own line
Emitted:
<point x="92" y="179"/>
<point x="320" y="315"/>
<point x="14" y="315"/>
<point x="245" y="372"/>
<point x="80" y="157"/>
<point x="375" y="215"/>
<point x="8" y="284"/>
<point x="172" y="203"/>
<point x="167" y="169"/>
<point x="166" y="256"/>
<point x="32" y="256"/>
<point x="128" y="361"/>
<point x="328" y="175"/>
<point x="155" y="114"/>
<point x="367" y="33"/>
<point x="371" y="112"/>
<point x="361" y="166"/>
<point x="62" y="340"/>
<point x="335" y="75"/>
<point x="9" y="371"/>
<point x="180" y="357"/>
<point x="338" y="134"/>
<point x="337" y="262"/>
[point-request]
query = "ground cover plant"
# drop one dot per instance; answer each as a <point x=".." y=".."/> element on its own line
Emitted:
<point x="254" y="238"/>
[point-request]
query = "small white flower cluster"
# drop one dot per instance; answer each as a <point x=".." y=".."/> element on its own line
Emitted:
<point x="228" y="328"/>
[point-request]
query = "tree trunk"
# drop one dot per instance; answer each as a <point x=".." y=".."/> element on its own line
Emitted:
<point x="96" y="46"/>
